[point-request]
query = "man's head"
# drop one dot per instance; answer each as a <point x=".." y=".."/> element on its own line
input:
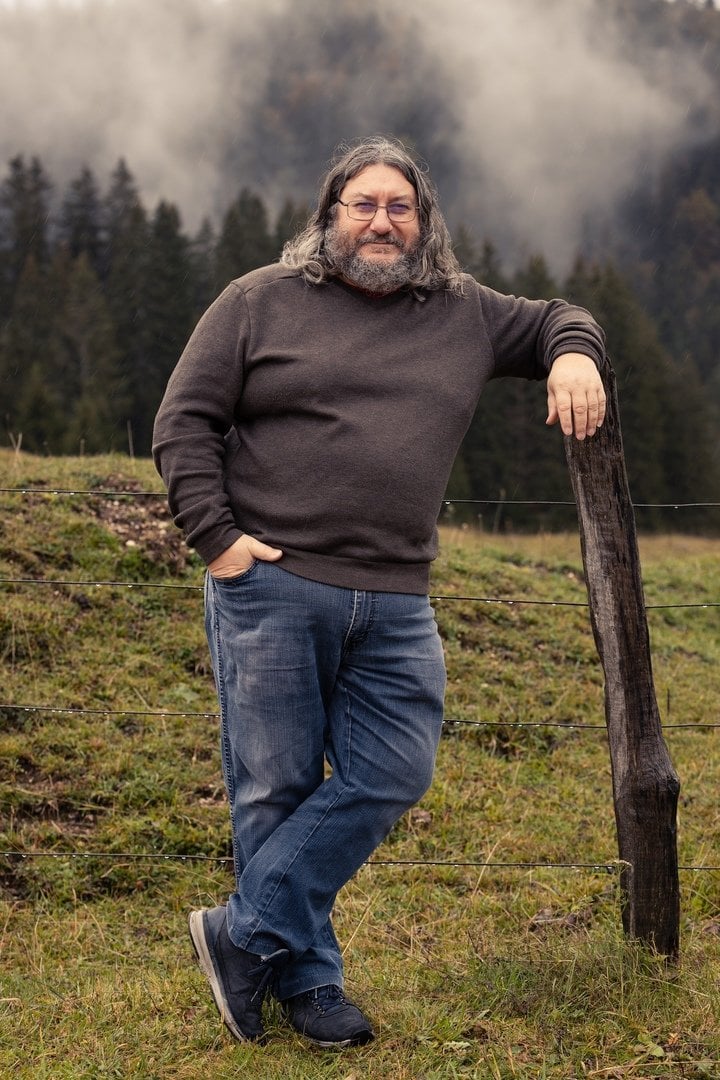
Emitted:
<point x="377" y="224"/>
<point x="373" y="234"/>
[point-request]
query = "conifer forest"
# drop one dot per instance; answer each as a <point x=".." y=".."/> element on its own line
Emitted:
<point x="100" y="288"/>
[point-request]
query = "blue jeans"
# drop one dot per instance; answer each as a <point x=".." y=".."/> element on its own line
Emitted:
<point x="308" y="673"/>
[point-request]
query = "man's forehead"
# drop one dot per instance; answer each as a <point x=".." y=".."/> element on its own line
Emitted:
<point x="380" y="176"/>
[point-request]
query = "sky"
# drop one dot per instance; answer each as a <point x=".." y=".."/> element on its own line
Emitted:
<point x="534" y="116"/>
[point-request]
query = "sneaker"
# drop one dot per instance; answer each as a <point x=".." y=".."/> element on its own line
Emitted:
<point x="326" y="1017"/>
<point x="238" y="979"/>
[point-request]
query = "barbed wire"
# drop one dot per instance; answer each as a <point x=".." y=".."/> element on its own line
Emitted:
<point x="128" y="856"/>
<point x="571" y="502"/>
<point x="81" y="491"/>
<point x="133" y="856"/>
<point x="435" y="597"/>
<point x="500" y="501"/>
<point x="100" y="584"/>
<point x="448" y="722"/>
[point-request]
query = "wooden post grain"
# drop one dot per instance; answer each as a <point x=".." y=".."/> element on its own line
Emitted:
<point x="645" y="785"/>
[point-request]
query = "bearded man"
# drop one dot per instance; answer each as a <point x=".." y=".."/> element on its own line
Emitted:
<point x="306" y="438"/>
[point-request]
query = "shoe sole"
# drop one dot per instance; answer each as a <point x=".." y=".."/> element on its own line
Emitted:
<point x="196" y="924"/>
<point x="359" y="1040"/>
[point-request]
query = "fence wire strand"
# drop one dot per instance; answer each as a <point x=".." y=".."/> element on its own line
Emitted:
<point x="165" y="714"/>
<point x="133" y="856"/>
<point x="29" y="490"/>
<point x="436" y="597"/>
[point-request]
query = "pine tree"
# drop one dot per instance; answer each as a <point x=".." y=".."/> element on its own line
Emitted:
<point x="483" y="265"/>
<point x="24" y="221"/>
<point x="125" y="275"/>
<point x="168" y="317"/>
<point x="202" y="258"/>
<point x="464" y="248"/>
<point x="534" y="280"/>
<point x="25" y="350"/>
<point x="290" y="220"/>
<point x="40" y="414"/>
<point x="489" y="270"/>
<point x="80" y="223"/>
<point x="245" y="241"/>
<point x="90" y="360"/>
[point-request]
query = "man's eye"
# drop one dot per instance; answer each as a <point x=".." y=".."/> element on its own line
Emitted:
<point x="399" y="208"/>
<point x="365" y="207"/>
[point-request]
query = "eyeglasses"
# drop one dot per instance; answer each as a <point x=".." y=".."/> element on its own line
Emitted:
<point x="363" y="210"/>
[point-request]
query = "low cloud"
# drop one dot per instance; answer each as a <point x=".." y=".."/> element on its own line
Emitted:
<point x="535" y="118"/>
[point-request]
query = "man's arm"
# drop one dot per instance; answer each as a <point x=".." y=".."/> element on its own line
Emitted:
<point x="576" y="396"/>
<point x="195" y="414"/>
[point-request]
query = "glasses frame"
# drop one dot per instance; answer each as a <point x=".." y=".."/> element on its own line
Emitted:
<point x="379" y="206"/>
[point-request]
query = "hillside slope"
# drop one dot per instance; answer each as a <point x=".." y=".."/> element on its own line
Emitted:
<point x="110" y="781"/>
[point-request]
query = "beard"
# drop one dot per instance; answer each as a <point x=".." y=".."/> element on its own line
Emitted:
<point x="377" y="277"/>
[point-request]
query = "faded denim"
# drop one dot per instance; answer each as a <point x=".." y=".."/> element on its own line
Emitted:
<point x="308" y="673"/>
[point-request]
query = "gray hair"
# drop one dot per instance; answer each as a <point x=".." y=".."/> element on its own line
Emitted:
<point x="437" y="267"/>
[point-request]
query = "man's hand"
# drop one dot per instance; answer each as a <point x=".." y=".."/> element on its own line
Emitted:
<point x="240" y="556"/>
<point x="576" y="396"/>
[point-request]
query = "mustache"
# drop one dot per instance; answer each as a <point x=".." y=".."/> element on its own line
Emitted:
<point x="374" y="238"/>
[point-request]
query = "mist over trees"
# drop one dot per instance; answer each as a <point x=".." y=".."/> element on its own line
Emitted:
<point x="98" y="293"/>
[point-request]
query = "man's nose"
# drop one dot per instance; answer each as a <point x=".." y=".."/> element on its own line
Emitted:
<point x="381" y="223"/>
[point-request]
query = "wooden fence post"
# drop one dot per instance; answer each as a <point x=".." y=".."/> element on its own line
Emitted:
<point x="645" y="785"/>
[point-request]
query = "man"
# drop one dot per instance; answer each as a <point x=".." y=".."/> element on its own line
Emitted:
<point x="306" y="438"/>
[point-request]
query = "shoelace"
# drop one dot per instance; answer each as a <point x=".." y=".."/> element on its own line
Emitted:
<point x="327" y="999"/>
<point x="267" y="970"/>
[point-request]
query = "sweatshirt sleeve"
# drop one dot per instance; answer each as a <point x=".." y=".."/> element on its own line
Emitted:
<point x="527" y="336"/>
<point x="195" y="415"/>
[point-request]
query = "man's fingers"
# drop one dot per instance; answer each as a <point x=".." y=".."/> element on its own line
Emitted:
<point x="262" y="551"/>
<point x="576" y="396"/>
<point x="578" y="413"/>
<point x="578" y="416"/>
<point x="240" y="556"/>
<point x="560" y="409"/>
<point x="594" y="406"/>
<point x="595" y="415"/>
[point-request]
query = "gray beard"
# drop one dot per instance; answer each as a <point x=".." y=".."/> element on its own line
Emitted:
<point x="378" y="278"/>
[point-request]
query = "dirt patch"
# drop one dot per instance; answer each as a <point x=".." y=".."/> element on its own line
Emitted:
<point x="142" y="520"/>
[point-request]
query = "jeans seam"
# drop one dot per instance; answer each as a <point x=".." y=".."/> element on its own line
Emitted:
<point x="222" y="697"/>
<point x="369" y="621"/>
<point x="346" y="640"/>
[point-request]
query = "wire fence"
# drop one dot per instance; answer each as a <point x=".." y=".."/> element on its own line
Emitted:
<point x="10" y="708"/>
<point x="435" y="597"/>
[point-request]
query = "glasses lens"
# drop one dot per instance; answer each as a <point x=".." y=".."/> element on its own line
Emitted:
<point x="400" y="212"/>
<point x="366" y="211"/>
<point x="362" y="211"/>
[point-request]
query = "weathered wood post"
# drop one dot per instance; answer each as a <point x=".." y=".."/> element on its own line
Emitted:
<point x="645" y="785"/>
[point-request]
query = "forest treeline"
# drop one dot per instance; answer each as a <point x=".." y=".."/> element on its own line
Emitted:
<point x="98" y="297"/>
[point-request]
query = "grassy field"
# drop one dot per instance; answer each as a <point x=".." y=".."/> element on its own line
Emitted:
<point x="108" y="746"/>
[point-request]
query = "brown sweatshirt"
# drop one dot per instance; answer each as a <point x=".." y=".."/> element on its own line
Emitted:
<point x="325" y="422"/>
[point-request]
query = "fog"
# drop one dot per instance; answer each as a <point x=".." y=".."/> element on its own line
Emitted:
<point x="535" y="118"/>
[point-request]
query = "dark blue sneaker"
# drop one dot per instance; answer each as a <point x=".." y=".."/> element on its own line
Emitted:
<point x="238" y="979"/>
<point x="326" y="1017"/>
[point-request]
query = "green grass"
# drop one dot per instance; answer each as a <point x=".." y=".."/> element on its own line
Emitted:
<point x="467" y="971"/>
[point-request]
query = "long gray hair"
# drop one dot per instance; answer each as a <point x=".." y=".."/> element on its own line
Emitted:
<point x="437" y="266"/>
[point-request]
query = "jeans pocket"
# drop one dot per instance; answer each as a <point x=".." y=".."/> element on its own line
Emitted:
<point x="235" y="578"/>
